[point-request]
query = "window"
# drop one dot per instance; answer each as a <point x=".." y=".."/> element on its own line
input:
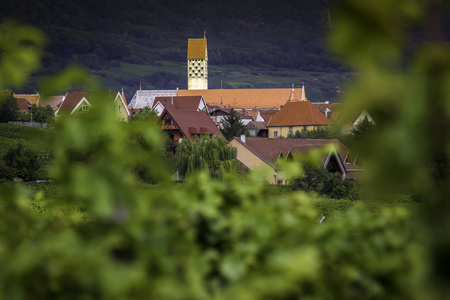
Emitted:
<point x="291" y="128"/>
<point x="275" y="134"/>
<point x="120" y="108"/>
<point x="305" y="128"/>
<point x="84" y="108"/>
<point x="167" y="121"/>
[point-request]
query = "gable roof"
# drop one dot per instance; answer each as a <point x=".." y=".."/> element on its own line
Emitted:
<point x="23" y="104"/>
<point x="32" y="98"/>
<point x="298" y="113"/>
<point x="145" y="98"/>
<point x="243" y="98"/>
<point x="187" y="103"/>
<point x="191" y="123"/>
<point x="121" y="96"/>
<point x="270" y="150"/>
<point x="196" y="49"/>
<point x="71" y="101"/>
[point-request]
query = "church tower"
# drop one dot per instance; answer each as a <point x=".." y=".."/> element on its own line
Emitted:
<point x="197" y="64"/>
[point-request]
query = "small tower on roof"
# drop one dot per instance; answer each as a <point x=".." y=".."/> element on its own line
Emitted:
<point x="197" y="64"/>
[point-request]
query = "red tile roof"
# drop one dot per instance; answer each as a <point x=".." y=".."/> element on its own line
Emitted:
<point x="24" y="105"/>
<point x="192" y="122"/>
<point x="298" y="113"/>
<point x="243" y="98"/>
<point x="196" y="49"/>
<point x="187" y="103"/>
<point x="71" y="100"/>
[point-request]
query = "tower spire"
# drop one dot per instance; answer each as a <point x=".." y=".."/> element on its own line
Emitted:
<point x="292" y="97"/>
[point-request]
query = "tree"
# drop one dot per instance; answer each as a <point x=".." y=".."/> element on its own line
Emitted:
<point x="232" y="126"/>
<point x="21" y="162"/>
<point x="41" y="114"/>
<point x="205" y="154"/>
<point x="363" y="128"/>
<point x="9" y="109"/>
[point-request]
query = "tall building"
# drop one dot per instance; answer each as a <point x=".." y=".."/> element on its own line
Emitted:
<point x="197" y="65"/>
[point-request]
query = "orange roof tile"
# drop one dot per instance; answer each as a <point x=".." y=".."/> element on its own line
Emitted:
<point x="243" y="98"/>
<point x="298" y="114"/>
<point x="196" y="49"/>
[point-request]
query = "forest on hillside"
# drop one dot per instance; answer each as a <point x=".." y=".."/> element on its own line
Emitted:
<point x="102" y="34"/>
<point x="114" y="38"/>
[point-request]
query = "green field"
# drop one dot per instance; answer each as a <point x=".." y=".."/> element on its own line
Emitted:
<point x="36" y="138"/>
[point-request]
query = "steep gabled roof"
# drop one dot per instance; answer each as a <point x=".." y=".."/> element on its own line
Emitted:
<point x="145" y="98"/>
<point x="187" y="103"/>
<point x="243" y="98"/>
<point x="191" y="123"/>
<point x="24" y="105"/>
<point x="196" y="49"/>
<point x="298" y="113"/>
<point x="70" y="101"/>
<point x="122" y="99"/>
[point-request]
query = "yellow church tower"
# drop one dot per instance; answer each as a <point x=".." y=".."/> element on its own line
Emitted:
<point x="197" y="64"/>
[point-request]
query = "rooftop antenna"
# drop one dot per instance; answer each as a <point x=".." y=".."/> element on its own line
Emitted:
<point x="140" y="86"/>
<point x="122" y="90"/>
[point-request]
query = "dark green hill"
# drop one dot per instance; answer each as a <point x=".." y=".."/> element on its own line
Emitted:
<point x="271" y="38"/>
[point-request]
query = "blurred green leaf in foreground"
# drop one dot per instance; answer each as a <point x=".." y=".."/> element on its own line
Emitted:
<point x="109" y="237"/>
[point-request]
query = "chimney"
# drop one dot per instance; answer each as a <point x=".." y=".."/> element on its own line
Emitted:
<point x="243" y="138"/>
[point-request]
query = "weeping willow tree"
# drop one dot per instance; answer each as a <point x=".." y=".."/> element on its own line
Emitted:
<point x="212" y="155"/>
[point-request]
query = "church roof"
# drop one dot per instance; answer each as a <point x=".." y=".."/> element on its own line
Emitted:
<point x="196" y="49"/>
<point x="243" y="98"/>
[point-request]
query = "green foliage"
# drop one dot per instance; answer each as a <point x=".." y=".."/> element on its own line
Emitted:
<point x="146" y="114"/>
<point x="232" y="126"/>
<point x="9" y="109"/>
<point x="21" y="48"/>
<point x="21" y="162"/>
<point x="331" y="185"/>
<point x="41" y="114"/>
<point x="212" y="155"/>
<point x="363" y="128"/>
<point x="107" y="237"/>
<point x="322" y="132"/>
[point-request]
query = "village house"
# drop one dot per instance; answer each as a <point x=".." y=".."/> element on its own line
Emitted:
<point x="180" y="124"/>
<point x="295" y="115"/>
<point x="265" y="153"/>
<point x="78" y="102"/>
